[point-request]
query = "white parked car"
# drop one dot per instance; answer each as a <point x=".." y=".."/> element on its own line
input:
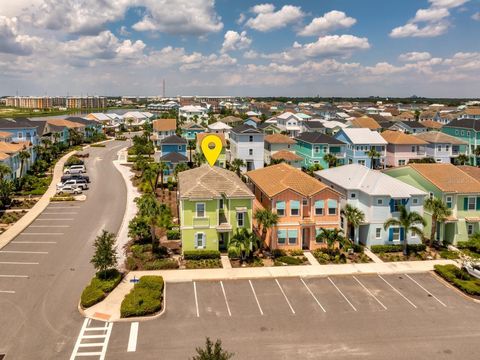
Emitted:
<point x="82" y="184"/>
<point x="69" y="189"/>
<point x="75" y="169"/>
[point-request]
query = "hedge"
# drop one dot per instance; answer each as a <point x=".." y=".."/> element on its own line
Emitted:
<point x="460" y="278"/>
<point x="203" y="264"/>
<point x="397" y="248"/>
<point x="161" y="264"/>
<point x="145" y="298"/>
<point x="99" y="288"/>
<point x="288" y="260"/>
<point x="233" y="253"/>
<point x="201" y="254"/>
<point x="173" y="234"/>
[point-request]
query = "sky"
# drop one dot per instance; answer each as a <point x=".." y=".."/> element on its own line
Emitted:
<point x="244" y="48"/>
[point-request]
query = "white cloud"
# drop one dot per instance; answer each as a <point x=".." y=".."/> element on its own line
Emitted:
<point x="124" y="31"/>
<point x="476" y="16"/>
<point x="330" y="21"/>
<point x="332" y="45"/>
<point x="207" y="63"/>
<point x="250" y="54"/>
<point x="241" y="19"/>
<point x="268" y="19"/>
<point x="447" y="3"/>
<point x="413" y="30"/>
<point x="235" y="41"/>
<point x="11" y="42"/>
<point x="431" y="14"/>
<point x="414" y="56"/>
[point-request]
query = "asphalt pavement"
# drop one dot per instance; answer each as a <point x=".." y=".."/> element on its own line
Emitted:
<point x="44" y="270"/>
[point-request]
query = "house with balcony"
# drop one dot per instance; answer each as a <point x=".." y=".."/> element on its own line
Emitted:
<point x="457" y="188"/>
<point x="213" y="204"/>
<point x="359" y="143"/>
<point x="247" y="144"/>
<point x="289" y="123"/>
<point x="280" y="147"/>
<point x="303" y="204"/>
<point x="172" y="151"/>
<point x="313" y="146"/>
<point x="190" y="130"/>
<point x="193" y="113"/>
<point x="219" y="128"/>
<point x="10" y="156"/>
<point x="269" y="128"/>
<point x="467" y="130"/>
<point x="163" y="128"/>
<point x="403" y="148"/>
<point x="409" y="127"/>
<point x="222" y="158"/>
<point x="379" y="197"/>
<point x="22" y="129"/>
<point x="443" y="148"/>
<point x="253" y="121"/>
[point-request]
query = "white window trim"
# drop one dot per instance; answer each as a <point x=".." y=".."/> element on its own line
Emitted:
<point x="474" y="203"/>
<point x="393" y="234"/>
<point x="242" y="215"/>
<point x="204" y="240"/>
<point x="376" y="233"/>
<point x="204" y="210"/>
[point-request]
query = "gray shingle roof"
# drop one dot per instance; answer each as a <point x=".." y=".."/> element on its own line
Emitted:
<point x="174" y="158"/>
<point x="318" y="138"/>
<point x="173" y="139"/>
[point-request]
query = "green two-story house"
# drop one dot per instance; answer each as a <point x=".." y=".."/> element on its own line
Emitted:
<point x="213" y="204"/>
<point x="467" y="130"/>
<point x="459" y="190"/>
<point x="313" y="146"/>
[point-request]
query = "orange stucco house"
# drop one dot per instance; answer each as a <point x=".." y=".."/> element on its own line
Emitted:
<point x="303" y="204"/>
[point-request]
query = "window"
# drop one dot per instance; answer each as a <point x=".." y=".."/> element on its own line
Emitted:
<point x="379" y="201"/>
<point x="456" y="132"/>
<point x="200" y="240"/>
<point x="378" y="233"/>
<point x="414" y="201"/>
<point x="396" y="205"/>
<point x="20" y="135"/>
<point x="462" y="133"/>
<point x="292" y="237"/>
<point x="325" y="149"/>
<point x="240" y="219"/>
<point x="447" y="147"/>
<point x="412" y="234"/>
<point x="358" y="148"/>
<point x="472" y="203"/>
<point x="439" y="148"/>
<point x="317" y="149"/>
<point x="401" y="162"/>
<point x="361" y="162"/>
<point x="220" y="204"/>
<point x="250" y="138"/>
<point x="413" y="148"/>
<point x="449" y="201"/>
<point x="396" y="234"/>
<point x="353" y="195"/>
<point x="468" y="133"/>
<point x="332" y="207"/>
<point x="319" y="205"/>
<point x="179" y="147"/>
<point x="281" y="237"/>
<point x="304" y="201"/>
<point x="430" y="195"/>
<point x="294" y="208"/>
<point x="470" y="229"/>
<point x="280" y="208"/>
<point x="200" y="210"/>
<point x="315" y="161"/>
<point x="250" y="151"/>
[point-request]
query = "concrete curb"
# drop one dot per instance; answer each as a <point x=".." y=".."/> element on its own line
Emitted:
<point x="453" y="287"/>
<point x="41" y="204"/>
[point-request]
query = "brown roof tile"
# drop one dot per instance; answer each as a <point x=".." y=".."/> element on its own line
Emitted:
<point x="164" y="124"/>
<point x="400" y="138"/>
<point x="436" y="137"/>
<point x="431" y="124"/>
<point x="201" y="136"/>
<point x="286" y="155"/>
<point x="366" y="122"/>
<point x="279" y="139"/>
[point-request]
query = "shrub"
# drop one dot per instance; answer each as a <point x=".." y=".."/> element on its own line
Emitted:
<point x="397" y="248"/>
<point x="62" y="198"/>
<point x="288" y="260"/>
<point x="357" y="248"/>
<point x="295" y="252"/>
<point x="233" y="252"/>
<point x="161" y="264"/>
<point x="203" y="264"/>
<point x="145" y="298"/>
<point x="460" y="278"/>
<point x="99" y="287"/>
<point x="278" y="253"/>
<point x="173" y="234"/>
<point x="73" y="160"/>
<point x="201" y="254"/>
<point x="130" y="263"/>
<point x="98" y="145"/>
<point x="446" y="254"/>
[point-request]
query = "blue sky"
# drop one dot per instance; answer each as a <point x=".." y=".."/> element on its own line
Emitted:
<point x="292" y="48"/>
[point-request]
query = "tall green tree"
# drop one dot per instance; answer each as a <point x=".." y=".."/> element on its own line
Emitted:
<point x="154" y="213"/>
<point x="331" y="237"/>
<point x="439" y="211"/>
<point x="24" y="155"/>
<point x="151" y="174"/>
<point x="330" y="159"/>
<point x="212" y="351"/>
<point x="192" y="145"/>
<point x="312" y="168"/>
<point x="179" y="168"/>
<point x="236" y="166"/>
<point x="162" y="166"/>
<point x="462" y="159"/>
<point x="4" y="170"/>
<point x="373" y="154"/>
<point x="105" y="256"/>
<point x="354" y="217"/>
<point x="266" y="219"/>
<point x="410" y="222"/>
<point x="245" y="242"/>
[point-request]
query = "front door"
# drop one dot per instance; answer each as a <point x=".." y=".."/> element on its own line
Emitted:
<point x="222" y="241"/>
<point x="249" y="165"/>
<point x="305" y="238"/>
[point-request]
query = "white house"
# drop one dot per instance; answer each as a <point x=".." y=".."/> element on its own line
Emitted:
<point x="379" y="197"/>
<point x="290" y="123"/>
<point x="137" y="117"/>
<point x="193" y="112"/>
<point x="220" y="128"/>
<point x="247" y="143"/>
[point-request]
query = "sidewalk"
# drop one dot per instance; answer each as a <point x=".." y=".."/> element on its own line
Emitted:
<point x="110" y="307"/>
<point x="41" y="204"/>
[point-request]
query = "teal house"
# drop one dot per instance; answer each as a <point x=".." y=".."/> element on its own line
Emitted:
<point x="313" y="146"/>
<point x="467" y="130"/>
<point x="190" y="130"/>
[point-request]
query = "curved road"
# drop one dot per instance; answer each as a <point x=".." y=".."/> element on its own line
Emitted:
<point x="44" y="270"/>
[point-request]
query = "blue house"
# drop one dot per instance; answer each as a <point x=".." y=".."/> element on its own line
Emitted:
<point x="190" y="130"/>
<point x="313" y="146"/>
<point x="252" y="121"/>
<point x="359" y="143"/>
<point x="22" y="129"/>
<point x="173" y="151"/>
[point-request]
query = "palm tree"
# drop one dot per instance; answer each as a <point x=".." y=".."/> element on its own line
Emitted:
<point x="154" y="213"/>
<point x="46" y="143"/>
<point x="56" y="137"/>
<point x="462" y="159"/>
<point x="408" y="221"/>
<point x="162" y="166"/>
<point x="439" y="211"/>
<point x="476" y="152"/>
<point x="267" y="220"/>
<point x="236" y="166"/>
<point x="179" y="168"/>
<point x="331" y="236"/>
<point x="330" y="159"/>
<point x="312" y="168"/>
<point x="150" y="174"/>
<point x="199" y="159"/>
<point x="24" y="155"/>
<point x="245" y="242"/>
<point x="373" y="154"/>
<point x="354" y="218"/>
<point x="4" y="170"/>
<point x="192" y="145"/>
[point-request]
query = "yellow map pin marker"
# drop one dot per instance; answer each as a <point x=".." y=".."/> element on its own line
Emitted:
<point x="211" y="148"/>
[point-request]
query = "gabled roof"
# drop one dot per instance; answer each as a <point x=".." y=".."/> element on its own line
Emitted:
<point x="400" y="138"/>
<point x="437" y="137"/>
<point x="255" y="119"/>
<point x="64" y="122"/>
<point x="173" y="139"/>
<point x="314" y="124"/>
<point x="318" y="138"/>
<point x="413" y="124"/>
<point x="192" y="126"/>
<point x="372" y="182"/>
<point x="219" y="126"/>
<point x="231" y="119"/>
<point x="286" y="155"/>
<point x="275" y="179"/>
<point x="364" y="136"/>
<point x="432" y="124"/>
<point x="17" y="123"/>
<point x="279" y="139"/>
<point x="211" y="182"/>
<point x="246" y="129"/>
<point x="473" y="111"/>
<point x="365" y="122"/>
<point x="201" y="136"/>
<point x="447" y="177"/>
<point x="12" y="148"/>
<point x="464" y="123"/>
<point x="164" y="124"/>
<point x="174" y="158"/>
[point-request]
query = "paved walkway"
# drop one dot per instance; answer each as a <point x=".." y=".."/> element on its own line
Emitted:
<point x="225" y="262"/>
<point x="41" y="204"/>
<point x="130" y="208"/>
<point x="110" y="307"/>
<point x="311" y="258"/>
<point x="372" y="256"/>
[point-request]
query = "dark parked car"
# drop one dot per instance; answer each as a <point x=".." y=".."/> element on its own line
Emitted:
<point x="75" y="176"/>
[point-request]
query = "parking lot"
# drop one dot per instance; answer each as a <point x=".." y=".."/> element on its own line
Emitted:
<point x="370" y="316"/>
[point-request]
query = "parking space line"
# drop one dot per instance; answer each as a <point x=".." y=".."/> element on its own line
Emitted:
<point x="313" y="295"/>
<point x="225" y="297"/>
<point x="428" y="292"/>
<point x="23" y="252"/>
<point x="63" y="207"/>
<point x="56" y="219"/>
<point x="368" y="291"/>
<point x="60" y="213"/>
<point x="196" y="298"/>
<point x="285" y="295"/>
<point x="33" y="242"/>
<point x="255" y="296"/>
<point x="341" y="293"/>
<point x="14" y="276"/>
<point x="132" y="338"/>
<point x="49" y="226"/>
<point x="7" y="292"/>
<point x="397" y="291"/>
<point x="17" y="263"/>
<point x="38" y="234"/>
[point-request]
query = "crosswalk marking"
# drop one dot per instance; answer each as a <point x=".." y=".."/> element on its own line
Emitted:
<point x="105" y="335"/>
